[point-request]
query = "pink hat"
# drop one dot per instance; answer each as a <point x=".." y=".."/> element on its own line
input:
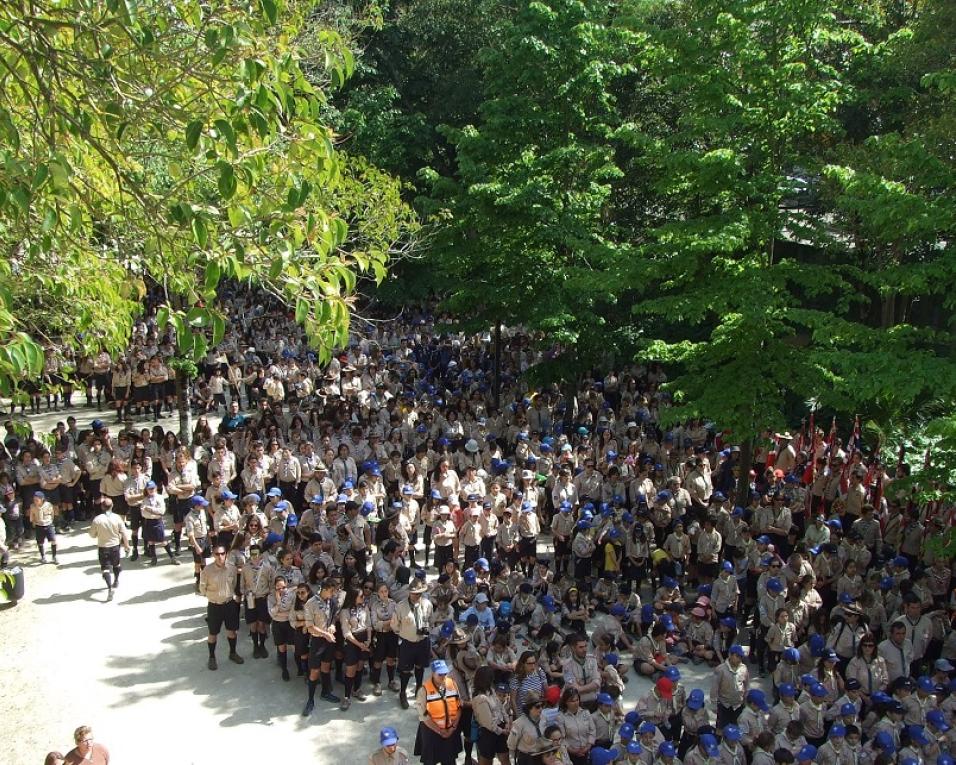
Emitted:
<point x="699" y="612"/>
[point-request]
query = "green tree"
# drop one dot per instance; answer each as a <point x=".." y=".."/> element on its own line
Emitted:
<point x="180" y="142"/>
<point x="527" y="235"/>
<point x="745" y="259"/>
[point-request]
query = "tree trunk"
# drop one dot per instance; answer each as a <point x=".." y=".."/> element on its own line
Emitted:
<point x="497" y="380"/>
<point x="569" y="402"/>
<point x="743" y="477"/>
<point x="888" y="310"/>
<point x="184" y="410"/>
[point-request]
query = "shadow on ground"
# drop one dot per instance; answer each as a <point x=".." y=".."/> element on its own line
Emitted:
<point x="250" y="694"/>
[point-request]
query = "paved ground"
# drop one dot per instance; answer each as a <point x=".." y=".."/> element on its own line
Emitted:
<point x="134" y="669"/>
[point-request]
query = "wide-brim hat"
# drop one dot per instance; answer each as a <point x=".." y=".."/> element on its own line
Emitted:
<point x="417" y="588"/>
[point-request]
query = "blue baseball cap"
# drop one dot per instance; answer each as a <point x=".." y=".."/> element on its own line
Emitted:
<point x="626" y="732"/>
<point x="727" y="566"/>
<point x="605" y="699"/>
<point x="439" y="667"/>
<point x="935" y="718"/>
<point x="388" y="737"/>
<point x="634" y="747"/>
<point x="275" y="491"/>
<point x="809" y="752"/>
<point x="787" y="689"/>
<point x="732" y="733"/>
<point x="647" y="727"/>
<point x="737" y="650"/>
<point x="818" y="690"/>
<point x="672" y="674"/>
<point x="918" y="734"/>
<point x="695" y="700"/>
<point x="708" y="743"/>
<point x="847" y="710"/>
<point x="837" y="731"/>
<point x="667" y="749"/>
<point x="884" y="740"/>
<point x="198" y="501"/>
<point x="756" y="696"/>
<point x="602" y="756"/>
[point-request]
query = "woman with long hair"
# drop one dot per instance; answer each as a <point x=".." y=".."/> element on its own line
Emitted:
<point x="868" y="667"/>
<point x="492" y="716"/>
<point x="280" y="603"/>
<point x="300" y="632"/>
<point x="355" y="620"/>
<point x="385" y="640"/>
<point x="113" y="486"/>
<point x="528" y="679"/>
<point x="577" y="725"/>
<point x="526" y="733"/>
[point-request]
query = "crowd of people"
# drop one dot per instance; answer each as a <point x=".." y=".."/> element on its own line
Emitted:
<point x="520" y="563"/>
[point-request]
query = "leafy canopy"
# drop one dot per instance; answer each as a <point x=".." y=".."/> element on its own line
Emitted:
<point x="179" y="142"/>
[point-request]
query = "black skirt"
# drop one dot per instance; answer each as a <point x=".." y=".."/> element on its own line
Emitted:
<point x="432" y="748"/>
<point x="154" y="531"/>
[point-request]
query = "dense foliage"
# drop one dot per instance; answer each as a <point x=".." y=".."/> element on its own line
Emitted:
<point x="177" y="143"/>
<point x="759" y="193"/>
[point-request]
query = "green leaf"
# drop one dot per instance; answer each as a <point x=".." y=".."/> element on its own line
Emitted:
<point x="212" y="275"/>
<point x="200" y="232"/>
<point x="301" y="310"/>
<point x="270" y="10"/>
<point x="193" y="131"/>
<point x="162" y="317"/>
<point x="218" y="329"/>
<point x="227" y="181"/>
<point x="227" y="132"/>
<point x="200" y="346"/>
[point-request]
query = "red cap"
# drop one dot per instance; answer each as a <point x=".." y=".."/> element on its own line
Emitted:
<point x="552" y="694"/>
<point x="665" y="687"/>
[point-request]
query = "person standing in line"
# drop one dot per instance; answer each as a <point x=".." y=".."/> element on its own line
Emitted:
<point x="439" y="711"/>
<point x="87" y="751"/>
<point x="256" y="582"/>
<point x="196" y="525"/>
<point x="41" y="516"/>
<point x="217" y="583"/>
<point x="320" y="614"/>
<point x="280" y="602"/>
<point x="411" y="621"/>
<point x="154" y="532"/>
<point x="110" y="532"/>
<point x="135" y="492"/>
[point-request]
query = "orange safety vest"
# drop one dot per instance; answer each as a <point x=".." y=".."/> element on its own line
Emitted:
<point x="442" y="709"/>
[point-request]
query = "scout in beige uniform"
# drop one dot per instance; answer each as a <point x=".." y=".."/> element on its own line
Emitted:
<point x="109" y="531"/>
<point x="217" y="584"/>
<point x="320" y="614"/>
<point x="41" y="516"/>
